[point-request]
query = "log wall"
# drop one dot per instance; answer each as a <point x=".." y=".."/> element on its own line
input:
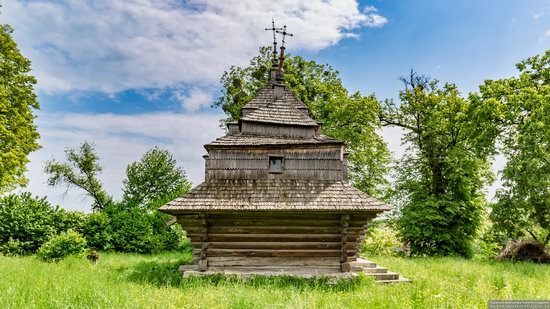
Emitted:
<point x="266" y="129"/>
<point x="325" y="163"/>
<point x="275" y="239"/>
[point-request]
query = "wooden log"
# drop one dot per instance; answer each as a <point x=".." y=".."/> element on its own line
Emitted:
<point x="276" y="253"/>
<point x="203" y="262"/>
<point x="224" y="261"/>
<point x="276" y="222"/>
<point x="277" y="237"/>
<point x="189" y="222"/>
<point x="344" y="245"/>
<point x="274" y="215"/>
<point x="274" y="245"/>
<point x="279" y="230"/>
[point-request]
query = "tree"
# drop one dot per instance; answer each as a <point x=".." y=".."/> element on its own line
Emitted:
<point x="26" y="222"/>
<point x="352" y="118"/>
<point x="18" y="133"/>
<point x="154" y="180"/>
<point x="80" y="171"/>
<point x="444" y="169"/>
<point x="521" y="113"/>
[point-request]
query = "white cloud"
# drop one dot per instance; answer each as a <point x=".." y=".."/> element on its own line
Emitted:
<point x="194" y="100"/>
<point x="120" y="140"/>
<point x="117" y="45"/>
<point x="547" y="34"/>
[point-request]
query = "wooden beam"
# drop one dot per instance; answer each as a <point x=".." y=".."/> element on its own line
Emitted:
<point x="344" y="264"/>
<point x="203" y="261"/>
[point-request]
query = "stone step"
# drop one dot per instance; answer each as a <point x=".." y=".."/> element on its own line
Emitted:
<point x="384" y="276"/>
<point x="399" y="280"/>
<point x="376" y="269"/>
<point x="363" y="263"/>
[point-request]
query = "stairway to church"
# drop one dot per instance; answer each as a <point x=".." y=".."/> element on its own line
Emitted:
<point x="380" y="274"/>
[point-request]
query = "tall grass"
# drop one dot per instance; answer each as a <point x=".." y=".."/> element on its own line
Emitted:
<point x="152" y="281"/>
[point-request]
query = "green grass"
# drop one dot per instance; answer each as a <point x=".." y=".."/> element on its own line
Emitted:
<point x="137" y="281"/>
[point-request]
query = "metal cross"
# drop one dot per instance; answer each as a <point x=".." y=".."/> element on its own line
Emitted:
<point x="275" y="30"/>
<point x="284" y="33"/>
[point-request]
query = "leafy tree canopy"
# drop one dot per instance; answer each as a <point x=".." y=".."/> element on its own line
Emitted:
<point x="18" y="134"/>
<point x="521" y="111"/>
<point x="80" y="171"/>
<point x="154" y="180"/>
<point x="352" y="118"/>
<point x="444" y="168"/>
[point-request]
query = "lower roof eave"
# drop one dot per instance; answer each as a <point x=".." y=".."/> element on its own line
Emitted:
<point x="185" y="211"/>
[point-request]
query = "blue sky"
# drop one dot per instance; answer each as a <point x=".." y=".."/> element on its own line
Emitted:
<point x="128" y="75"/>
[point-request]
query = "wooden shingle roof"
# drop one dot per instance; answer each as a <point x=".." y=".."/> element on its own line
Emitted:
<point x="255" y="140"/>
<point x="266" y="95"/>
<point x="274" y="195"/>
<point x="280" y="112"/>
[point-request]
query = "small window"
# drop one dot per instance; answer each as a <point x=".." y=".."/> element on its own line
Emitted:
<point x="275" y="164"/>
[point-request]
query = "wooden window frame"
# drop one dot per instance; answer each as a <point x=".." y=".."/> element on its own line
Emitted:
<point x="276" y="157"/>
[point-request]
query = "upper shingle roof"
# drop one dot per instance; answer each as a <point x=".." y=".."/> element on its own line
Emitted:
<point x="285" y="110"/>
<point x="280" y="112"/>
<point x="255" y="140"/>
<point x="274" y="194"/>
<point x="266" y="95"/>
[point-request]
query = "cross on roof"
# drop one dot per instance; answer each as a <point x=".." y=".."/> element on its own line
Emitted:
<point x="275" y="30"/>
<point x="284" y="33"/>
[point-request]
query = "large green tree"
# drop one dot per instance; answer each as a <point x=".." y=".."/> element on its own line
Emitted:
<point x="154" y="180"/>
<point x="81" y="170"/>
<point x="521" y="113"/>
<point x="18" y="134"/>
<point x="350" y="117"/>
<point x="443" y="170"/>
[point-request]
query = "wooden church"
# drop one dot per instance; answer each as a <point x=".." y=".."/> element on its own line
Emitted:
<point x="276" y="197"/>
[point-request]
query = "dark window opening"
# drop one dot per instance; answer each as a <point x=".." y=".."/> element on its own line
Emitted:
<point x="275" y="164"/>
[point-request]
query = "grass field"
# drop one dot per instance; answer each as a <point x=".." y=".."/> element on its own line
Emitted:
<point x="138" y="281"/>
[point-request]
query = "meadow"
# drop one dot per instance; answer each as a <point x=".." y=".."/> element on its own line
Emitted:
<point x="151" y="281"/>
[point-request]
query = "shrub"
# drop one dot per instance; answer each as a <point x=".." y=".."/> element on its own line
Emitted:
<point x="97" y="230"/>
<point x="14" y="247"/>
<point x="69" y="220"/>
<point x="490" y="242"/>
<point x="62" y="245"/>
<point x="382" y="240"/>
<point x="131" y="229"/>
<point x="26" y="222"/>
<point x="525" y="251"/>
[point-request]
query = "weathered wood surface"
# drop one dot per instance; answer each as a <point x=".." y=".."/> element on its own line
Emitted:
<point x="275" y="239"/>
<point x="274" y="245"/>
<point x="221" y="261"/>
<point x="277" y="253"/>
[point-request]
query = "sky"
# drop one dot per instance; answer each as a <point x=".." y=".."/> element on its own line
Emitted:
<point x="129" y="75"/>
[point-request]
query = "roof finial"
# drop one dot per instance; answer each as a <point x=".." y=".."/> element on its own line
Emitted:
<point x="275" y="31"/>
<point x="284" y="33"/>
<point x="274" y="66"/>
<point x="282" y="54"/>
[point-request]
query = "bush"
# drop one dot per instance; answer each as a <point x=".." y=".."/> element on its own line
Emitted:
<point x="62" y="245"/>
<point x="381" y="240"/>
<point x="531" y="251"/>
<point x="26" y="222"/>
<point x="130" y="229"/>
<point x="97" y="230"/>
<point x="490" y="242"/>
<point x="69" y="220"/>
